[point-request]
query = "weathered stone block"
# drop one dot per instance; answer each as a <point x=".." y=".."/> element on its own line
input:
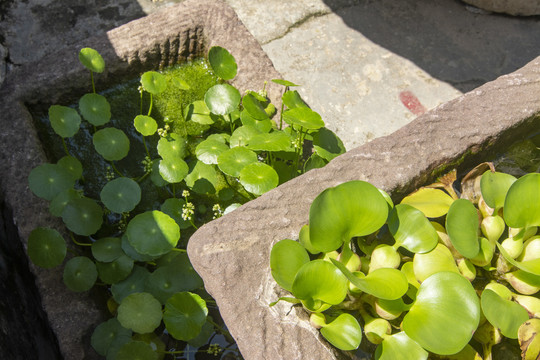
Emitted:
<point x="512" y="7"/>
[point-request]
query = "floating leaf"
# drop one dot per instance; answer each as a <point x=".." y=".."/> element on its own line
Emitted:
<point x="80" y="274"/>
<point x="344" y="332"/>
<point x="462" y="227"/>
<point x="145" y="125"/>
<point x="303" y="117"/>
<point x="222" y="99"/>
<point x="432" y="202"/>
<point x="173" y="170"/>
<point x="412" y="229"/>
<point x="206" y="332"/>
<point x="202" y="179"/>
<point x="292" y="99"/>
<point x="232" y="161"/>
<point x="153" y="82"/>
<point x="258" y="178"/>
<point x="284" y="82"/>
<point x="46" y="247"/>
<point x="48" y="180"/>
<point x="172" y="146"/>
<point x="354" y="208"/>
<point x="185" y="314"/>
<point x="121" y="195"/>
<point x="92" y="60"/>
<point x="522" y="204"/>
<point x="107" y="249"/>
<point x="222" y="62"/>
<point x="274" y="141"/>
<point x="445" y="314"/>
<point x="494" y="186"/>
<point x="83" y="216"/>
<point x="503" y="314"/>
<point x="155" y="176"/>
<point x="198" y="112"/>
<point x="134" y="254"/>
<point x="243" y="135"/>
<point x="154" y="341"/>
<point x="106" y="333"/>
<point x="140" y="312"/>
<point x="111" y="143"/>
<point x="95" y="109"/>
<point x="72" y="165"/>
<point x="254" y="106"/>
<point x="286" y="258"/>
<point x="60" y="201"/>
<point x="136" y="350"/>
<point x="65" y="121"/>
<point x="437" y="260"/>
<point x="208" y="151"/>
<point x="115" y="271"/>
<point x="153" y="233"/>
<point x="173" y="207"/>
<point x="134" y="283"/>
<point x="400" y="346"/>
<point x="327" y="144"/>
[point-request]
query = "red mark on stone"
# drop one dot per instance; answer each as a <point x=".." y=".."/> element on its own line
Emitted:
<point x="412" y="103"/>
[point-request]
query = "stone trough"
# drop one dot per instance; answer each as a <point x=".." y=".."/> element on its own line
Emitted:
<point x="232" y="253"/>
<point x="174" y="35"/>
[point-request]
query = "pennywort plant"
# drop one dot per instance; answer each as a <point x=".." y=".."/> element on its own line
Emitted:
<point x="227" y="148"/>
<point x="441" y="274"/>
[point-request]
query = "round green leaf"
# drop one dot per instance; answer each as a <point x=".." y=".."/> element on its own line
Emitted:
<point x="83" y="216"/>
<point x="136" y="350"/>
<point x="134" y="283"/>
<point x="132" y="253"/>
<point x="145" y="125"/>
<point x="72" y="165"/>
<point x="400" y="346"/>
<point x="121" y="195"/>
<point x="286" y="258"/>
<point x="222" y="62"/>
<point x="48" y="180"/>
<point x="344" y="332"/>
<point x="522" y="204"/>
<point x="106" y="333"/>
<point x="173" y="170"/>
<point x="107" y="249"/>
<point x="95" y="109"/>
<point x="202" y="179"/>
<point x="354" y="208"/>
<point x="494" y="186"/>
<point x="327" y="144"/>
<point x="185" y="314"/>
<point x="60" y="201"/>
<point x="432" y="202"/>
<point x="320" y="281"/>
<point x="503" y="314"/>
<point x="412" y="229"/>
<point x="65" y="121"/>
<point x="242" y="135"/>
<point x="91" y="60"/>
<point x="303" y="117"/>
<point x="292" y="99"/>
<point x="153" y="233"/>
<point x="115" y="271"/>
<point x="140" y="312"/>
<point x="222" y="99"/>
<point x="445" y="314"/>
<point x="437" y="260"/>
<point x="198" y="112"/>
<point x="209" y="150"/>
<point x="274" y="141"/>
<point x="232" y="161"/>
<point x="258" y="178"/>
<point x="111" y="143"/>
<point x="261" y="125"/>
<point x="173" y="207"/>
<point x="172" y="146"/>
<point x="80" y="274"/>
<point x="155" y="176"/>
<point x="284" y="82"/>
<point x="153" y="82"/>
<point x="462" y="227"/>
<point x="46" y="247"/>
<point x="254" y="107"/>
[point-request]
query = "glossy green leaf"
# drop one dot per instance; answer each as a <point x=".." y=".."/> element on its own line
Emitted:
<point x="303" y="238"/>
<point x="95" y="109"/>
<point x="462" y="227"/>
<point x="145" y="125"/>
<point x="445" y="314"/>
<point x="327" y="144"/>
<point x="485" y="254"/>
<point x="60" y="201"/>
<point x="65" y="121"/>
<point x="258" y="178"/>
<point x="140" y="312"/>
<point x="344" y="332"/>
<point x="222" y="62"/>
<point x="136" y="350"/>
<point x="116" y="270"/>
<point x="286" y="258"/>
<point x="172" y="146"/>
<point x="155" y="176"/>
<point x="92" y="60"/>
<point x="106" y="333"/>
<point x="274" y="141"/>
<point x="303" y="117"/>
<point x="48" y="180"/>
<point x="80" y="274"/>
<point x="202" y="179"/>
<point x="292" y="99"/>
<point x="383" y="283"/>
<point x="400" y="346"/>
<point x="432" y="202"/>
<point x="494" y="186"/>
<point x="222" y="99"/>
<point x="320" y="281"/>
<point x="173" y="170"/>
<point x="284" y="82"/>
<point x="232" y="161"/>
<point x="72" y="165"/>
<point x="134" y="283"/>
<point x="354" y="208"/>
<point x="83" y="216"/>
<point x="254" y="106"/>
<point x="314" y="162"/>
<point x="153" y="233"/>
<point x="173" y="207"/>
<point x="261" y="125"/>
<point x="111" y="143"/>
<point x="198" y="112"/>
<point x="46" y="247"/>
<point x="412" y="229"/>
<point x="185" y="314"/>
<point x="206" y="332"/>
<point x="503" y="314"/>
<point x="530" y="266"/>
<point x="437" y="260"/>
<point x="208" y="151"/>
<point x="243" y="135"/>
<point x="107" y="249"/>
<point x="121" y="195"/>
<point x="134" y="254"/>
<point x="153" y="82"/>
<point x="522" y="204"/>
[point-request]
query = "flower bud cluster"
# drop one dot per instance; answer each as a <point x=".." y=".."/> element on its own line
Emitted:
<point x="187" y="211"/>
<point x="164" y="131"/>
<point x="218" y="212"/>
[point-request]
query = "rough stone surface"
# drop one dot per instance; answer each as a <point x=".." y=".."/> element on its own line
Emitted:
<point x="484" y="119"/>
<point x="512" y="7"/>
<point x="3" y="65"/>
<point x="163" y="38"/>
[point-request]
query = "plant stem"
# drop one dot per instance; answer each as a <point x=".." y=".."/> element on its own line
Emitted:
<point x="487" y="351"/>
<point x="115" y="169"/>
<point x="179" y="250"/>
<point x="92" y="78"/>
<point x="230" y="122"/>
<point x="145" y="147"/>
<point x="151" y="103"/>
<point x="234" y="189"/>
<point x="281" y="113"/>
<point x="78" y="243"/>
<point x="65" y="147"/>
<point x="223" y="331"/>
